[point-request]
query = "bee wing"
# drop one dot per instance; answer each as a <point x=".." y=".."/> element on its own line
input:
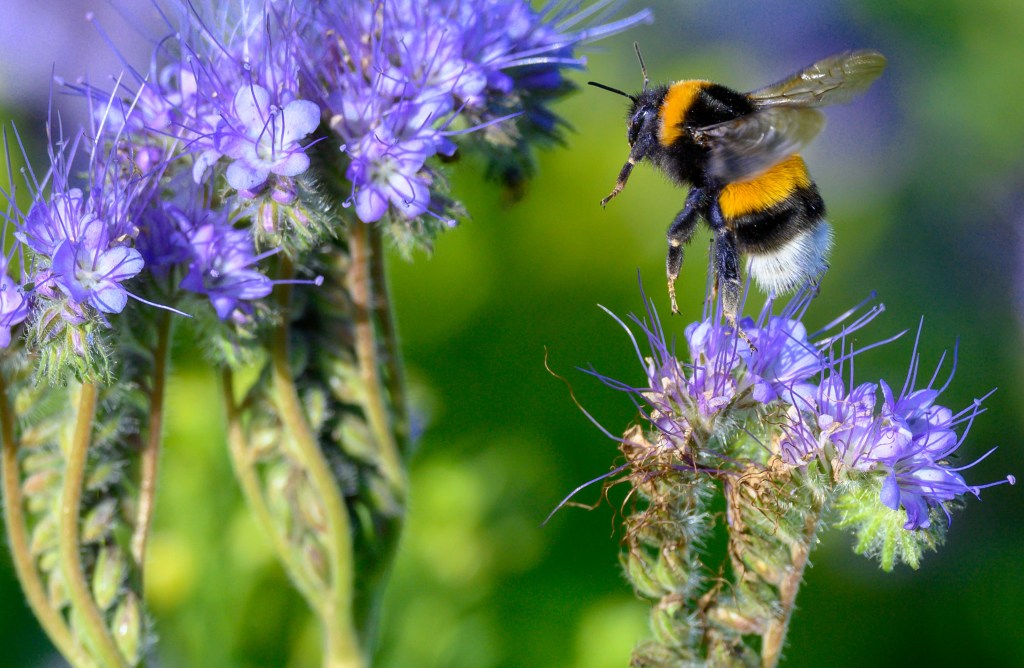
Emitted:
<point x="832" y="80"/>
<point x="751" y="144"/>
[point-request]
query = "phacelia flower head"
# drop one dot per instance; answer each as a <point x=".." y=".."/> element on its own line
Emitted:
<point x="223" y="87"/>
<point x="785" y="400"/>
<point x="79" y="244"/>
<point x="400" y="79"/>
<point x="236" y="93"/>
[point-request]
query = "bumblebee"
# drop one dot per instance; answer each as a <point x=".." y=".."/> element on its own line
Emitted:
<point x="739" y="155"/>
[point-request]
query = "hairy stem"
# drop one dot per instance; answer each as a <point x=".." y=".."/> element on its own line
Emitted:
<point x="150" y="456"/>
<point x="774" y="636"/>
<point x="389" y="335"/>
<point x="361" y="286"/>
<point x="95" y="627"/>
<point x="247" y="476"/>
<point x="21" y="554"/>
<point x="342" y="644"/>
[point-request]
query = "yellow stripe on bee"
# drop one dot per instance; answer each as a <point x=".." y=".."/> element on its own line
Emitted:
<point x="673" y="110"/>
<point x="764" y="190"/>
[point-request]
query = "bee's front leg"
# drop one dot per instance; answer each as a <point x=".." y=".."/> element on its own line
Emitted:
<point x="640" y="150"/>
<point x="679" y="233"/>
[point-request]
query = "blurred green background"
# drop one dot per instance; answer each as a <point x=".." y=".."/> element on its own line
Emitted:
<point x="923" y="179"/>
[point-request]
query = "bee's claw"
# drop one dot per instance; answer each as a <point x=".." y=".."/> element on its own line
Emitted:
<point x="743" y="335"/>
<point x="672" y="296"/>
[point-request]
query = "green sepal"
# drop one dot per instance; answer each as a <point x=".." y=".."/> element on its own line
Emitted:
<point x="879" y="529"/>
<point x="65" y="351"/>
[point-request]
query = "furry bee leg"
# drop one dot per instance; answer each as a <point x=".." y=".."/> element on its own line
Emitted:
<point x="727" y="270"/>
<point x="679" y="233"/>
<point x="620" y="183"/>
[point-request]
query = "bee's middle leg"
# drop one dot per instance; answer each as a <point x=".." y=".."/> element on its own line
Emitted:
<point x="679" y="233"/>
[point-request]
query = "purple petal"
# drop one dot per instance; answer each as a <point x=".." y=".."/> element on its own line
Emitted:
<point x="204" y="162"/>
<point x="111" y="298"/>
<point x="223" y="305"/>
<point x="296" y="163"/>
<point x="252" y="105"/>
<point x="891" y="491"/>
<point x="244" y="176"/>
<point x="299" y="118"/>
<point x="120" y="263"/>
<point x="917" y="512"/>
<point x="371" y="205"/>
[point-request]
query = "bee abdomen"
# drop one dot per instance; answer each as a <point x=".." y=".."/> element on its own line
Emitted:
<point x="778" y="220"/>
<point x="766" y="190"/>
<point x="801" y="258"/>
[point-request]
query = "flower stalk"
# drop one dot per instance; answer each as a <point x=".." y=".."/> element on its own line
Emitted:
<point x="97" y="634"/>
<point x="22" y="555"/>
<point x="149" y="458"/>
<point x="343" y="648"/>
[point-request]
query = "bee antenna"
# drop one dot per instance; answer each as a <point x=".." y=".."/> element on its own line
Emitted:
<point x="613" y="90"/>
<point x="643" y="68"/>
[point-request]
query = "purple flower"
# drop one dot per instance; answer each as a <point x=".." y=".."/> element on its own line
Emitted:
<point x="908" y="438"/>
<point x="263" y="139"/>
<point x="162" y="241"/>
<point x="89" y="270"/>
<point x="221" y="268"/>
<point x="78" y="244"/>
<point x="905" y="443"/>
<point x="783" y="361"/>
<point x="395" y="75"/>
<point x="390" y="173"/>
<point x="48" y="224"/>
<point x="715" y="355"/>
<point x="14" y="308"/>
<point x="224" y="82"/>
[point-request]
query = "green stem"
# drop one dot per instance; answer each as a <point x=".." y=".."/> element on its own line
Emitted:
<point x="389" y="335"/>
<point x="342" y="644"/>
<point x="774" y="636"/>
<point x="248" y="478"/>
<point x="21" y="554"/>
<point x="95" y="627"/>
<point x="367" y="354"/>
<point x="150" y="455"/>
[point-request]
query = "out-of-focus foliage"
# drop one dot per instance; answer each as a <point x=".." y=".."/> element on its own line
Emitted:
<point x="923" y="181"/>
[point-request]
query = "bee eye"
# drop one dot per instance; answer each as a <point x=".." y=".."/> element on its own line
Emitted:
<point x="637" y="123"/>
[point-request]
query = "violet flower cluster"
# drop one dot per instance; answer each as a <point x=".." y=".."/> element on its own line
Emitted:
<point x="200" y="168"/>
<point x="451" y="67"/>
<point x="904" y="444"/>
<point x="72" y="255"/>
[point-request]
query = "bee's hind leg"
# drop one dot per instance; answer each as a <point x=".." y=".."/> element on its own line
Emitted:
<point x="726" y="259"/>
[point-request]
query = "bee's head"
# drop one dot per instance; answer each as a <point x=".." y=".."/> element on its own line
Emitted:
<point x="643" y="114"/>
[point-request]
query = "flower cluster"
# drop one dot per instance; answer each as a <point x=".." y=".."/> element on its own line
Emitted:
<point x="199" y="168"/>
<point x="903" y="444"/>
<point x="72" y="252"/>
<point x="402" y="78"/>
